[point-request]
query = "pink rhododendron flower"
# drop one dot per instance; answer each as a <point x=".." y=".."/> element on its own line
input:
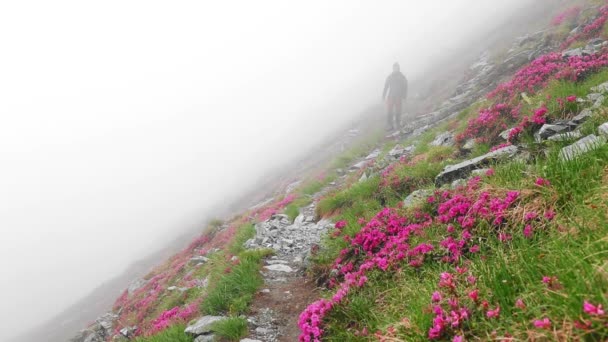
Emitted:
<point x="474" y="295"/>
<point x="436" y="297"/>
<point x="458" y="338"/>
<point x="493" y="313"/>
<point x="341" y="224"/>
<point x="519" y="303"/>
<point x="530" y="216"/>
<point x="571" y="98"/>
<point x="542" y="182"/>
<point x="528" y="231"/>
<point x="544" y="323"/>
<point x="593" y="310"/>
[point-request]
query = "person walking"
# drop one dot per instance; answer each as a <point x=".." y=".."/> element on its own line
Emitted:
<point x="396" y="88"/>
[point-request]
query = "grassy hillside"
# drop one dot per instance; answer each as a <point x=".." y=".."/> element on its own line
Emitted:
<point x="517" y="252"/>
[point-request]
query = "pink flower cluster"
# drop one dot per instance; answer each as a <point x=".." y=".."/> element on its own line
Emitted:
<point x="390" y="241"/>
<point x="590" y="30"/>
<point x="569" y="13"/>
<point x="265" y="213"/>
<point x="310" y="320"/>
<point x="177" y="314"/>
<point x="453" y="304"/>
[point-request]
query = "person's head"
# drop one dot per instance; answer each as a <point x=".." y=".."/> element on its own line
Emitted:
<point x="396" y="67"/>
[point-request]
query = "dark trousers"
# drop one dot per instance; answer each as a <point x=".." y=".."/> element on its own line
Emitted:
<point x="393" y="109"/>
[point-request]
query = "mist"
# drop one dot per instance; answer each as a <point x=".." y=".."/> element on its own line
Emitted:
<point x="123" y="123"/>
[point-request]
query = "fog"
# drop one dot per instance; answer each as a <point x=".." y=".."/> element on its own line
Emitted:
<point x="124" y="122"/>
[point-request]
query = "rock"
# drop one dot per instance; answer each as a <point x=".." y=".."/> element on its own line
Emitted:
<point x="106" y="321"/>
<point x="205" y="338"/>
<point x="480" y="172"/>
<point x="128" y="332"/>
<point x="572" y="53"/>
<point x="469" y="145"/>
<point x="566" y="136"/>
<point x="136" y="285"/>
<point x="279" y="268"/>
<point x="287" y="242"/>
<point x="397" y="151"/>
<point x="505" y="134"/>
<point x="373" y="155"/>
<point x="249" y="340"/>
<point x="599" y="102"/>
<point x="443" y="139"/>
<point x="171" y="288"/>
<point x="291" y="187"/>
<point x="603" y="129"/>
<point x="581" y="117"/>
<point x="262" y="331"/>
<point x="462" y="170"/>
<point x="593" y="97"/>
<point x="363" y="178"/>
<point x="583" y="145"/>
<point x="202" y="325"/>
<point x="416" y="197"/>
<point x="458" y="183"/>
<point x="602" y="88"/>
<point x="198" y="260"/>
<point x="548" y="130"/>
<point x="359" y="165"/>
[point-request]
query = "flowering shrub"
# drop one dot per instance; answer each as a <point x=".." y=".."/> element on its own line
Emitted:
<point x="568" y="14"/>
<point x="265" y="213"/>
<point x="590" y="30"/>
<point x="391" y="240"/>
<point x="173" y="316"/>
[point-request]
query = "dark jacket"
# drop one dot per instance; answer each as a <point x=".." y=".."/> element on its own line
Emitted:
<point x="396" y="85"/>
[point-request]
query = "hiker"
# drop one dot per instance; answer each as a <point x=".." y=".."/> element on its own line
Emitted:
<point x="396" y="86"/>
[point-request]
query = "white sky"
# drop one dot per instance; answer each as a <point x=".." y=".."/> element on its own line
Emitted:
<point x="122" y="120"/>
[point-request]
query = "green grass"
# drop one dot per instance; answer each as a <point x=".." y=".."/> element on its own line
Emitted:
<point x="506" y="272"/>
<point x="244" y="233"/>
<point x="573" y="249"/>
<point x="172" y="334"/>
<point x="346" y="198"/>
<point x="292" y="211"/>
<point x="234" y="285"/>
<point x="231" y="329"/>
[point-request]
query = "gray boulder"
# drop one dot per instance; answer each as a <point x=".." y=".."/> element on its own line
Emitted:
<point x="205" y="338"/>
<point x="548" y="130"/>
<point x="581" y="117"/>
<point x="198" y="260"/>
<point x="136" y="285"/>
<point x="583" y="145"/>
<point x="566" y="136"/>
<point x="469" y="145"/>
<point x="505" y="134"/>
<point x="373" y="155"/>
<point x="464" y="169"/>
<point x="603" y="129"/>
<point x="203" y="325"/>
<point x="602" y="88"/>
<point x="279" y="268"/>
<point x="399" y="151"/>
<point x="443" y="139"/>
<point x="417" y="197"/>
<point x="598" y="102"/>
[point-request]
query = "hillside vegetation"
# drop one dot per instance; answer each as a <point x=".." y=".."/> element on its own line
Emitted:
<point x="486" y="224"/>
